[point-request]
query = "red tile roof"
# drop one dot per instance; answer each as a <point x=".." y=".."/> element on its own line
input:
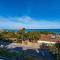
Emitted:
<point x="49" y="38"/>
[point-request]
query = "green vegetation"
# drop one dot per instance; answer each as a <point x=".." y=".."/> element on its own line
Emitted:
<point x="28" y="58"/>
<point x="55" y="50"/>
<point x="5" y="53"/>
<point x="20" y="55"/>
<point x="57" y="45"/>
<point x="21" y="35"/>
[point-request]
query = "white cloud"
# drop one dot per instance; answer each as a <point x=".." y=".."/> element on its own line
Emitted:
<point x="27" y="22"/>
<point x="45" y="24"/>
<point x="24" y="19"/>
<point x="12" y="23"/>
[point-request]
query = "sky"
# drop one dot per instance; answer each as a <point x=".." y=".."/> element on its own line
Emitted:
<point x="30" y="14"/>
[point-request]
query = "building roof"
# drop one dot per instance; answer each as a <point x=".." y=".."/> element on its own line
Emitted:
<point x="50" y="38"/>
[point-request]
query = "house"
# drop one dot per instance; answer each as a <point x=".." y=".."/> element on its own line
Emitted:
<point x="49" y="39"/>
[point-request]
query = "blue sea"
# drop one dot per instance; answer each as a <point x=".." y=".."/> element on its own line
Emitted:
<point x="43" y="30"/>
<point x="38" y="30"/>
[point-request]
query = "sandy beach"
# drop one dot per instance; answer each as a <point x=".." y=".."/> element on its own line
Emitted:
<point x="24" y="46"/>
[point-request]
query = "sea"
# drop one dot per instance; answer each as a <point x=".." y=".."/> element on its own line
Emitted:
<point x="44" y="30"/>
<point x="37" y="30"/>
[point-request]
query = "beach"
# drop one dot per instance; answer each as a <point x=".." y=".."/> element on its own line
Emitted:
<point x="24" y="46"/>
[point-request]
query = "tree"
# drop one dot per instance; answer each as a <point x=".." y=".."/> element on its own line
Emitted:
<point x="58" y="50"/>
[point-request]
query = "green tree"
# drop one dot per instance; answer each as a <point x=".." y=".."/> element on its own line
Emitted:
<point x="58" y="50"/>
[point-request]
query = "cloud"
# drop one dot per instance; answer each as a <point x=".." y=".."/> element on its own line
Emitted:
<point x="45" y="25"/>
<point x="24" y="19"/>
<point x="12" y="23"/>
<point x="27" y="22"/>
